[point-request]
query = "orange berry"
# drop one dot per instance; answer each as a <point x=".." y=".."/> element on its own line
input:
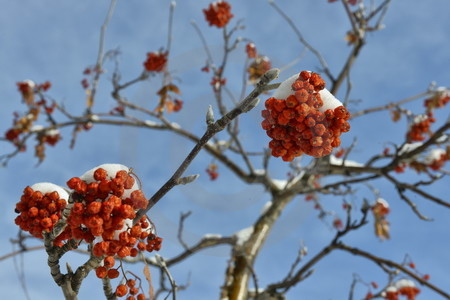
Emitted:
<point x="93" y="221"/>
<point x="103" y="186"/>
<point x="134" y="290"/>
<point x="114" y="246"/>
<point x="141" y="297"/>
<point x="138" y="199"/>
<point x="124" y="237"/>
<point x="37" y="196"/>
<point x="33" y="212"/>
<point x="144" y="234"/>
<point x="124" y="252"/>
<point x="100" y="248"/>
<point x="134" y="252"/>
<point x="301" y="96"/>
<point x="101" y="272"/>
<point x="126" y="211"/>
<point x="78" y="208"/>
<point x="100" y="174"/>
<point x="46" y="223"/>
<point x="94" y="207"/>
<point x="291" y="101"/>
<point x="109" y="262"/>
<point x="113" y="273"/>
<point x="317" y="152"/>
<point x="129" y="182"/>
<point x="316" y="141"/>
<point x="141" y="246"/>
<point x="336" y="142"/>
<point x="92" y="188"/>
<point x="317" y="81"/>
<point x="121" y="290"/>
<point x="304" y="75"/>
<point x="131" y="283"/>
<point x="341" y="113"/>
<point x="135" y="231"/>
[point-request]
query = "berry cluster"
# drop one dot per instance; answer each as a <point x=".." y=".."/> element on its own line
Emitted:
<point x="440" y="98"/>
<point x="39" y="211"/>
<point x="310" y="120"/>
<point x="103" y="204"/>
<point x="129" y="289"/>
<point x="420" y="126"/>
<point x="28" y="89"/>
<point x="403" y="287"/>
<point x="258" y="67"/>
<point x="156" y="61"/>
<point x="218" y="14"/>
<point x="437" y="158"/>
<point x="251" y="51"/>
<point x="212" y="171"/>
<point x="25" y="124"/>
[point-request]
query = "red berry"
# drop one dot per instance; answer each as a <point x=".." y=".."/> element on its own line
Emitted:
<point x="121" y="290"/>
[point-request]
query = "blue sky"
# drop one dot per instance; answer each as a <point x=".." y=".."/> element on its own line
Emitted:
<point x="56" y="40"/>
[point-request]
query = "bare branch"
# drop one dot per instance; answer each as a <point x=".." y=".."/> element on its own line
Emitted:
<point x="388" y="263"/>
<point x="218" y="126"/>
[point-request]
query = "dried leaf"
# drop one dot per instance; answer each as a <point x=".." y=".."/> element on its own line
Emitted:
<point x="395" y="115"/>
<point x="148" y="276"/>
<point x="89" y="99"/>
<point x="418" y="166"/>
<point x="259" y="66"/>
<point x="169" y="88"/>
<point x="170" y="106"/>
<point x="382" y="228"/>
<point x="40" y="151"/>
<point x="351" y="38"/>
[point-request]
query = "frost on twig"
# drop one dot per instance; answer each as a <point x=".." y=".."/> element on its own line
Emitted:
<point x="210" y="116"/>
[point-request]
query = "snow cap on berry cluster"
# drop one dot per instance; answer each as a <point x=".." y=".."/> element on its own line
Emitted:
<point x="285" y="90"/>
<point x="404" y="283"/>
<point x="434" y="155"/>
<point x="47" y="187"/>
<point x="111" y="170"/>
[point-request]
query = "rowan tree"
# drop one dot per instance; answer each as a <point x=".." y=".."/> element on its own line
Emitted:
<point x="244" y="139"/>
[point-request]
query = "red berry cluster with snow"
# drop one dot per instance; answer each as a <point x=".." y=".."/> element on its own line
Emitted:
<point x="403" y="287"/>
<point x="437" y="158"/>
<point x="40" y="207"/>
<point x="304" y="117"/>
<point x="102" y="205"/>
<point x="420" y="126"/>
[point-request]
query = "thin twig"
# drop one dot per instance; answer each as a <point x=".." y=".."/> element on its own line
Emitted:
<point x="291" y="23"/>
<point x="169" y="31"/>
<point x="389" y="106"/>
<point x="183" y="217"/>
<point x="100" y="55"/>
<point x="205" y="45"/>
<point x="163" y="266"/>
